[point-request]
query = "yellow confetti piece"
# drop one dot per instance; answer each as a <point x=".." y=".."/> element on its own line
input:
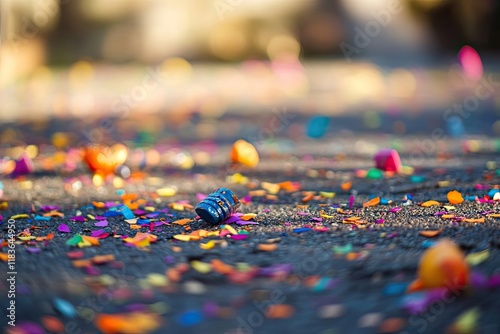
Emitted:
<point x="476" y="258"/>
<point x="149" y="208"/>
<point x="91" y="217"/>
<point x="166" y="192"/>
<point x="20" y="216"/>
<point x="26" y="238"/>
<point x="157" y="280"/>
<point x="213" y="234"/>
<point x="131" y="221"/>
<point x="443" y="184"/>
<point x="84" y="243"/>
<point x="449" y="208"/>
<point x="4" y="205"/>
<point x="208" y="245"/>
<point x="248" y="216"/>
<point x="182" y="237"/>
<point x="430" y="203"/>
<point x="230" y="229"/>
<point x="466" y="322"/>
<point x="93" y="241"/>
<point x="271" y="188"/>
<point x="177" y="206"/>
<point x="325" y="216"/>
<point x="201" y="267"/>
<point x="326" y="194"/>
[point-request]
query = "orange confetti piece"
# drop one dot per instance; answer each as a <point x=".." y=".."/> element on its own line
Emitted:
<point x="99" y="205"/>
<point x="101" y="259"/>
<point x="135" y="226"/>
<point x="392" y="325"/>
<point x="257" y="193"/>
<point x="81" y="263"/>
<point x="454" y="197"/>
<point x="93" y="241"/>
<point x="373" y="202"/>
<point x="431" y="233"/>
<point x="279" y="311"/>
<point x="493" y="215"/>
<point x="267" y="247"/>
<point x="248" y="216"/>
<point x="244" y="153"/>
<point x="4" y="257"/>
<point x="54" y="214"/>
<point x="447" y="216"/>
<point x="221" y="267"/>
<point x="430" y="203"/>
<point x="173" y="275"/>
<point x="182" y="221"/>
<point x="307" y="198"/>
<point x="346" y="186"/>
<point x="52" y="324"/>
<point x="127" y="323"/>
<point x="474" y="220"/>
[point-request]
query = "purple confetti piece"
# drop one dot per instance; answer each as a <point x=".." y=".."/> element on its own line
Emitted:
<point x="48" y="208"/>
<point x="245" y="222"/>
<point x="152" y="215"/>
<point x="97" y="233"/>
<point x="494" y="281"/>
<point x="478" y="280"/>
<point x="135" y="307"/>
<point x="285" y="268"/>
<point x="380" y="221"/>
<point x="91" y="270"/>
<point x="266" y="211"/>
<point x="301" y="213"/>
<point x="33" y="250"/>
<point x="440" y="213"/>
<point x="30" y="327"/>
<point x="351" y="201"/>
<point x="395" y="210"/>
<point x="317" y="219"/>
<point x="210" y="309"/>
<point x="102" y="223"/>
<point x="108" y="205"/>
<point x="232" y="219"/>
<point x="239" y="236"/>
<point x="487" y="212"/>
<point x="100" y="218"/>
<point x="163" y="210"/>
<point x="139" y="212"/>
<point x="79" y="219"/>
<point x="247" y="199"/>
<point x="64" y="228"/>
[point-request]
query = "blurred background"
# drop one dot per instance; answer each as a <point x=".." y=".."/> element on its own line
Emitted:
<point x="143" y="70"/>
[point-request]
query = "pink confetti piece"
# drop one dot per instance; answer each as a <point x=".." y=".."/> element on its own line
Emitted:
<point x="380" y="221"/>
<point x="200" y="197"/>
<point x="301" y="213"/>
<point x="321" y="229"/>
<point x="395" y="210"/>
<point x="266" y="211"/>
<point x="102" y="223"/>
<point x="63" y="228"/>
<point x="317" y="219"/>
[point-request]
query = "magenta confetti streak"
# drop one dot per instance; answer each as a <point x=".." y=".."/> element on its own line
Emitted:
<point x="380" y="221"/>
<point x="102" y="223"/>
<point x="317" y="219"/>
<point x="395" y="210"/>
<point x="64" y="228"/>
<point x="301" y="213"/>
<point x="351" y="201"/>
<point x="239" y="236"/>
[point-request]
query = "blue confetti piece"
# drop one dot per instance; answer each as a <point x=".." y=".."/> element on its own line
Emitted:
<point x="38" y="217"/>
<point x="395" y="289"/>
<point x="385" y="201"/>
<point x="301" y="230"/>
<point x="143" y="221"/>
<point x="492" y="192"/>
<point x="428" y="243"/>
<point x="64" y="307"/>
<point x="190" y="318"/>
<point x="417" y="178"/>
<point x="470" y="198"/>
<point x="111" y="214"/>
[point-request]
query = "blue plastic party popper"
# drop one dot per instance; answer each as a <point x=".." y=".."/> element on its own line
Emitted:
<point x="218" y="206"/>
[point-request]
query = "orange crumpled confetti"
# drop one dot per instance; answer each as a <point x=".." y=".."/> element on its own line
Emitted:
<point x="454" y="197"/>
